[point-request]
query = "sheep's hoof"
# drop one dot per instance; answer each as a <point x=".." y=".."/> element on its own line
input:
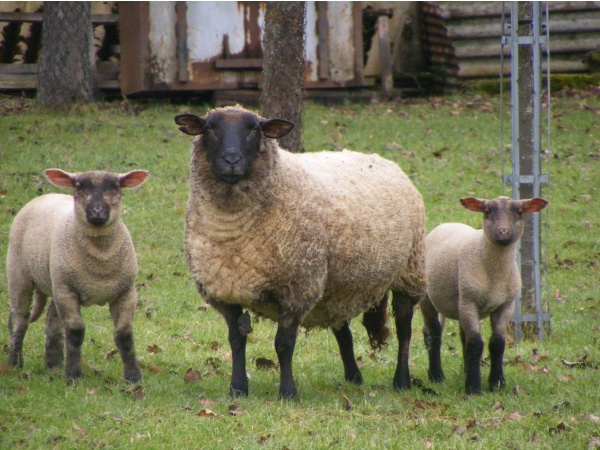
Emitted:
<point x="496" y="385"/>
<point x="473" y="390"/>
<point x="289" y="396"/>
<point x="133" y="376"/>
<point x="355" y="379"/>
<point x="436" y="377"/>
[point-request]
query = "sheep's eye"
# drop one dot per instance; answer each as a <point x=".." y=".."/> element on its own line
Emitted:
<point x="256" y="128"/>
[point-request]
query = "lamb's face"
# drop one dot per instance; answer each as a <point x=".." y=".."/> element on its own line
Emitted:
<point x="503" y="217"/>
<point x="97" y="197"/>
<point x="231" y="139"/>
<point x="97" y="194"/>
<point x="503" y="221"/>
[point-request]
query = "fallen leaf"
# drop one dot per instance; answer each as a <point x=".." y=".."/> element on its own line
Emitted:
<point x="264" y="363"/>
<point x="82" y="431"/>
<point x="529" y="368"/>
<point x="154" y="369"/>
<point x="515" y="416"/>
<point x="264" y="439"/>
<point x="91" y="391"/>
<point x="498" y="406"/>
<point x="191" y="376"/>
<point x="207" y="413"/>
<point x="236" y="410"/>
<point x="214" y="345"/>
<point x="154" y="349"/>
<point x="4" y="369"/>
<point x="561" y="427"/>
<point x="110" y="354"/>
<point x="136" y="391"/>
<point x="456" y="429"/>
<point x="347" y="403"/>
<point x="534" y="356"/>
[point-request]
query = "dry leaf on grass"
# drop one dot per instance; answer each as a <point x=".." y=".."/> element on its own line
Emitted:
<point x="207" y="413"/>
<point x="191" y="376"/>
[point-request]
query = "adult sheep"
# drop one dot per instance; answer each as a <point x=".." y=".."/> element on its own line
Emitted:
<point x="309" y="240"/>
<point x="77" y="250"/>
<point x="473" y="274"/>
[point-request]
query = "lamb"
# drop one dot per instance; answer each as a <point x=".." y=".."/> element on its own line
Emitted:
<point x="309" y="240"/>
<point x="77" y="250"/>
<point x="472" y="274"/>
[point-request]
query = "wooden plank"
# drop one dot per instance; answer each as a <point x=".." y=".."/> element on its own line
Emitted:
<point x="358" y="43"/>
<point x="20" y="17"/>
<point x="385" y="56"/>
<point x="239" y="64"/>
<point x="323" y="45"/>
<point x="19" y="69"/>
<point x="182" y="47"/>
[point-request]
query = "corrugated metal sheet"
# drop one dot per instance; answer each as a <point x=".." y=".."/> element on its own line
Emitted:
<point x="475" y="29"/>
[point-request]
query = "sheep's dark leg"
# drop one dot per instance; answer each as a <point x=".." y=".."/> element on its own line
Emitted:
<point x="343" y="336"/>
<point x="432" y="334"/>
<point x="237" y="341"/>
<point x="285" y="341"/>
<point x="69" y="310"/>
<point x="468" y="314"/>
<point x="122" y="311"/>
<point x="403" y="306"/>
<point x="499" y="320"/>
<point x="55" y="338"/>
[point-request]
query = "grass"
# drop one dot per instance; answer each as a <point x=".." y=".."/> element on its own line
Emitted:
<point x="450" y="147"/>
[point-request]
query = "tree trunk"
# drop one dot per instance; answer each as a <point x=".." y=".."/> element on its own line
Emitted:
<point x="66" y="62"/>
<point x="284" y="63"/>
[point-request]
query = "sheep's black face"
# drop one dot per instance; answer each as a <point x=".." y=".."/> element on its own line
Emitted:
<point x="232" y="138"/>
<point x="232" y="141"/>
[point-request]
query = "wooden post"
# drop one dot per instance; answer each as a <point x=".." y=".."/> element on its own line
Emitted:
<point x="385" y="57"/>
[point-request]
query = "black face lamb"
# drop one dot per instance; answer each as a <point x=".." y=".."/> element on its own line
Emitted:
<point x="76" y="250"/>
<point x="473" y="274"/>
<point x="309" y="240"/>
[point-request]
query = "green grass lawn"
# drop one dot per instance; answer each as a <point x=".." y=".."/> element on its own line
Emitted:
<point x="451" y="148"/>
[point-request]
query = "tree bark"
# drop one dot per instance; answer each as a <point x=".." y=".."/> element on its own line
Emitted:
<point x="66" y="62"/>
<point x="284" y="64"/>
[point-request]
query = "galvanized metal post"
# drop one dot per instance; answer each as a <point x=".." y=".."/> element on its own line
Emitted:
<point x="526" y="178"/>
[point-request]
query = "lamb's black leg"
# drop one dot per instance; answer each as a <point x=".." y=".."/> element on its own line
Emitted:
<point x="432" y="334"/>
<point x="344" y="339"/>
<point x="473" y="351"/>
<point x="499" y="320"/>
<point x="55" y="339"/>
<point x="403" y="306"/>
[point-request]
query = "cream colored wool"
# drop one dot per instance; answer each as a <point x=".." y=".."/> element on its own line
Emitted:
<point x="328" y="232"/>
<point x="460" y="258"/>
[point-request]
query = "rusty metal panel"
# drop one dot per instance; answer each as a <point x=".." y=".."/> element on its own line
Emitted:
<point x="475" y="29"/>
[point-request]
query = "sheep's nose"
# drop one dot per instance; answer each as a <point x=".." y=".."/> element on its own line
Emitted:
<point x="232" y="160"/>
<point x="98" y="209"/>
<point x="503" y="231"/>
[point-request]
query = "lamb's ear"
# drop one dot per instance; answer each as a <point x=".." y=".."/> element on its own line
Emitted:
<point x="473" y="204"/>
<point x="133" y="178"/>
<point x="191" y="124"/>
<point x="276" y="128"/>
<point x="533" y="205"/>
<point x="60" y="178"/>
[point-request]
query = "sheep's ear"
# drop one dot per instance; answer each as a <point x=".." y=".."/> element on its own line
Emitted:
<point x="473" y="204"/>
<point x="60" y="178"/>
<point x="276" y="128"/>
<point x="133" y="178"/>
<point x="533" y="205"/>
<point x="191" y="124"/>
